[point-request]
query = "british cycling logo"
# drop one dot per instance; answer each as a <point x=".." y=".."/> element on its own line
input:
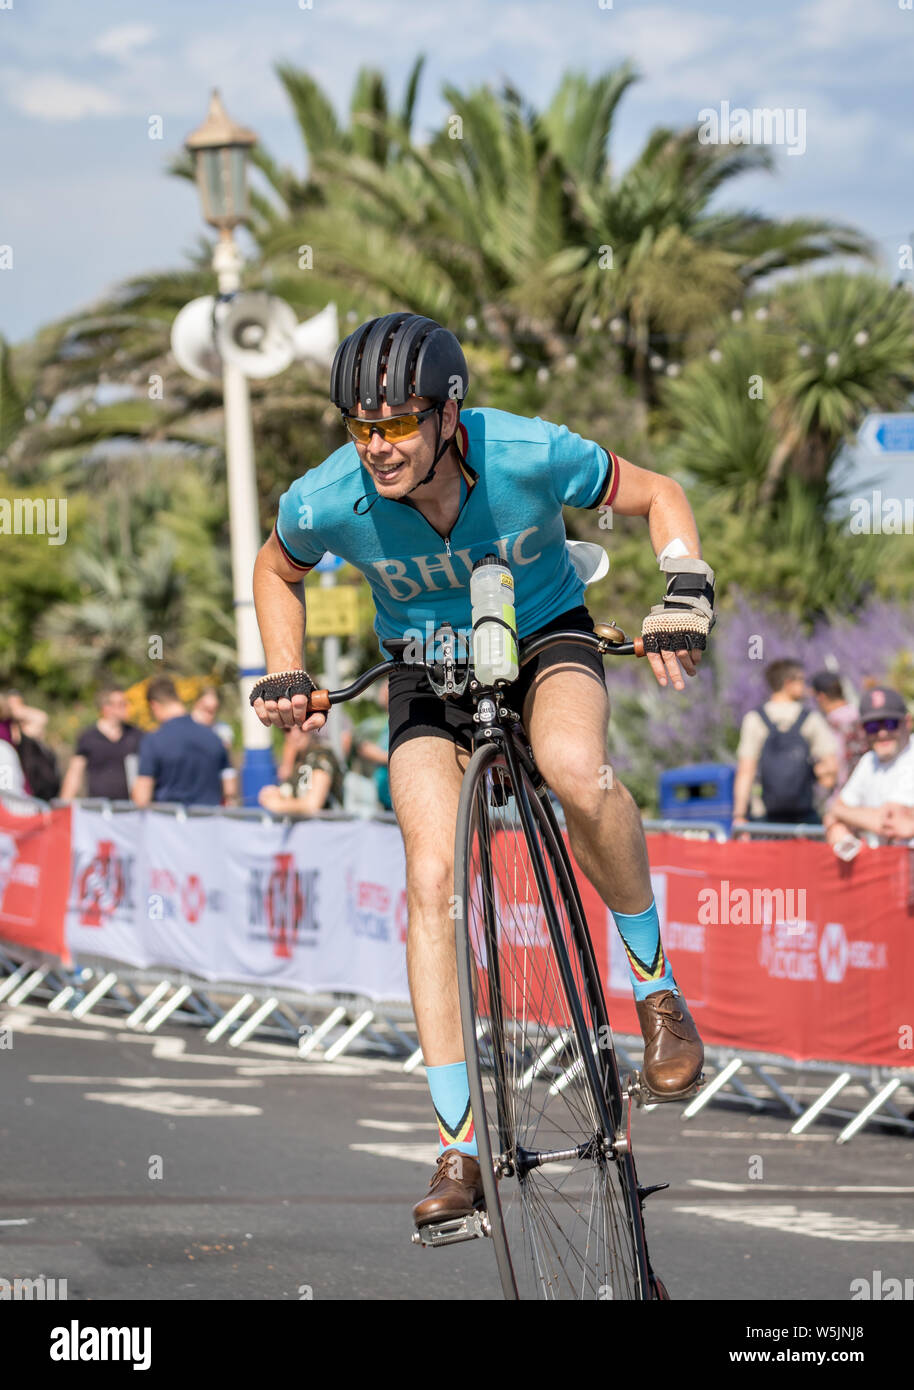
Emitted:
<point x="171" y="899"/>
<point x="103" y="883"/>
<point x="282" y="905"/>
<point x="369" y="908"/>
<point x="787" y="954"/>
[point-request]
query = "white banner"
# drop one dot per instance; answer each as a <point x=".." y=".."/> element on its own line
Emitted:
<point x="312" y="906"/>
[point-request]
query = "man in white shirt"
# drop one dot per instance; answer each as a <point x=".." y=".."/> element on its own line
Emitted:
<point x="877" y="802"/>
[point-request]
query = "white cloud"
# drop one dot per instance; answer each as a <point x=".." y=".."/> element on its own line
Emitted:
<point x="120" y="41"/>
<point x="50" y="97"/>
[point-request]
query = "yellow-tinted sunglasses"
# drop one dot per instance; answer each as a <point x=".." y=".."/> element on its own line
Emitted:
<point x="393" y="428"/>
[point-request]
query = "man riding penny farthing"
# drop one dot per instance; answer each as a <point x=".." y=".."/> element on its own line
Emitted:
<point x="421" y="491"/>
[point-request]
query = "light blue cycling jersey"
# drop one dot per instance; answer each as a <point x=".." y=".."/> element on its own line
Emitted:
<point x="519" y="474"/>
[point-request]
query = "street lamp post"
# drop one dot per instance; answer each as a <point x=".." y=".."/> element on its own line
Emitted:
<point x="220" y="149"/>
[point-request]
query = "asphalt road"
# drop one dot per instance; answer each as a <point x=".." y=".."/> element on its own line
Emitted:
<point x="158" y="1168"/>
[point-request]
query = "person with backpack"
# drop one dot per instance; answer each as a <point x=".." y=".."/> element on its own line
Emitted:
<point x="789" y="749"/>
<point x="37" y="773"/>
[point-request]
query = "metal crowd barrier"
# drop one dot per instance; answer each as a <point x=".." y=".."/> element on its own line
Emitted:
<point x="325" y="1026"/>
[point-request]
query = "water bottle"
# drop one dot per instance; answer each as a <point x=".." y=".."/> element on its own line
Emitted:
<point x="492" y="600"/>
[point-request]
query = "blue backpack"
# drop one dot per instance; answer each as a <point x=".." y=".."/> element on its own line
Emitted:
<point x="786" y="770"/>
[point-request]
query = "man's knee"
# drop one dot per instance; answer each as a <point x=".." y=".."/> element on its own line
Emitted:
<point x="429" y="886"/>
<point x="581" y="777"/>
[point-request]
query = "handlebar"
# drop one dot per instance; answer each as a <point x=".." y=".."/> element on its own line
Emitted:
<point x="606" y="638"/>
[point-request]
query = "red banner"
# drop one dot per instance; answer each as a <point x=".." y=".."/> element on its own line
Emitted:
<point x="780" y="947"/>
<point x="34" y="879"/>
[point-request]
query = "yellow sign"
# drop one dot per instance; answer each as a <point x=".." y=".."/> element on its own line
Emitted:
<point x="332" y="612"/>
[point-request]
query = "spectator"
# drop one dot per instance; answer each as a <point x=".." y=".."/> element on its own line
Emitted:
<point x="12" y="778"/>
<point x="37" y="762"/>
<point x="102" y="750"/>
<point x="373" y="738"/>
<point x="841" y="717"/>
<point x="182" y="760"/>
<point x="32" y="722"/>
<point x="309" y="776"/>
<point x="205" y="711"/>
<point x="791" y="748"/>
<point x="877" y="804"/>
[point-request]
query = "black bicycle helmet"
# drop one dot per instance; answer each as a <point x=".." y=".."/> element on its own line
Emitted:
<point x="419" y="357"/>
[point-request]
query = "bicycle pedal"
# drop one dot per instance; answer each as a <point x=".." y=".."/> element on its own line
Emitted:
<point x="458" y="1228"/>
<point x="643" y="1095"/>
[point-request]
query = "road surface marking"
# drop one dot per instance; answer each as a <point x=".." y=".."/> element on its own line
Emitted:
<point x="18" y="1221"/>
<point x="396" y="1126"/>
<point x="144" y="1083"/>
<point x="173" y="1103"/>
<point x="426" y="1154"/>
<point x="756" y="1134"/>
<point x="793" y="1187"/>
<point x="821" y="1225"/>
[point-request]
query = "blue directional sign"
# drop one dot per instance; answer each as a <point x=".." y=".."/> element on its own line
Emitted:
<point x="887" y="434"/>
<point x="333" y="562"/>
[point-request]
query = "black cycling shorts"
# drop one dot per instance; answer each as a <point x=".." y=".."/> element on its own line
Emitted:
<point x="415" y="711"/>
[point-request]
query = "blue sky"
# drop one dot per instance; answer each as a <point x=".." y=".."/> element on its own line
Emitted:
<point x="85" y="200"/>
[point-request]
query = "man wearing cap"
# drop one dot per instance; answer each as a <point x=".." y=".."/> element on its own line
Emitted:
<point x="877" y="802"/>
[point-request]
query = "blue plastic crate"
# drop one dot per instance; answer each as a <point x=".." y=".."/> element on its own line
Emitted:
<point x="703" y="792"/>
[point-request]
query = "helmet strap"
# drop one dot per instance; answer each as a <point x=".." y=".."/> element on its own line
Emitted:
<point x="440" y="450"/>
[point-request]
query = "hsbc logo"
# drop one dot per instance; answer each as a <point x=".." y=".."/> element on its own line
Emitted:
<point x="833" y="953"/>
<point x="837" y="954"/>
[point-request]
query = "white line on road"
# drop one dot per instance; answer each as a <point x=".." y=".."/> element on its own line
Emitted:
<point x="426" y="1154"/>
<point x="793" y="1187"/>
<point x="18" y="1221"/>
<point x="755" y="1134"/>
<point x="821" y="1225"/>
<point x="144" y="1083"/>
<point x="396" y="1126"/>
<point x="173" y="1103"/>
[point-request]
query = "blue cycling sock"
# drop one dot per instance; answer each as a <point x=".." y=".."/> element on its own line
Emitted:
<point x="451" y="1098"/>
<point x="649" y="968"/>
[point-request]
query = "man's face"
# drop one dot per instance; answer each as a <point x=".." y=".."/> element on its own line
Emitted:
<point x="886" y="743"/>
<point x="396" y="467"/>
<point x="116" y="706"/>
<point x="795" y="687"/>
<point x="208" y="708"/>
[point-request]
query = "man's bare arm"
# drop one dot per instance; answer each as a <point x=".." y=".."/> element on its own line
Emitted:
<point x="279" y="602"/>
<point x="73" y="778"/>
<point x="665" y="506"/>
<point x="856" y="817"/>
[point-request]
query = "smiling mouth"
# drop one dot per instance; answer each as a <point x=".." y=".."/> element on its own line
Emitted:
<point x="386" y="475"/>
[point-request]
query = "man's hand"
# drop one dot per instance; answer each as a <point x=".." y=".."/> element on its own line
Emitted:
<point x="666" y="666"/>
<point x="287" y="714"/>
<point x="897" y="821"/>
<point x="271" y="798"/>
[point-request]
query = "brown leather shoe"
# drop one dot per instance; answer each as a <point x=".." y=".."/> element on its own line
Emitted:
<point x="456" y="1189"/>
<point x="673" y="1051"/>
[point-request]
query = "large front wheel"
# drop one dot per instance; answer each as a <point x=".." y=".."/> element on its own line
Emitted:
<point x="560" y="1184"/>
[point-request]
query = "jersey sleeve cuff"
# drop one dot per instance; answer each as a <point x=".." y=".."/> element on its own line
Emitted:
<point x="292" y="559"/>
<point x="610" y="485"/>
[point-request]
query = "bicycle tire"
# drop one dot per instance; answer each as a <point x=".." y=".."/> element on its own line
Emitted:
<point x="568" y="1093"/>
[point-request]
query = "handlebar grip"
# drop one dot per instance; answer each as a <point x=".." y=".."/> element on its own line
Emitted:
<point x="319" y="702"/>
<point x="638" y="645"/>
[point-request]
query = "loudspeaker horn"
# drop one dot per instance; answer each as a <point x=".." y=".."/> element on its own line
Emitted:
<point x="256" y="334"/>
<point x="192" y="340"/>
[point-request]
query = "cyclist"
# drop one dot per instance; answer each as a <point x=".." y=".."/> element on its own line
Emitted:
<point x="421" y="491"/>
